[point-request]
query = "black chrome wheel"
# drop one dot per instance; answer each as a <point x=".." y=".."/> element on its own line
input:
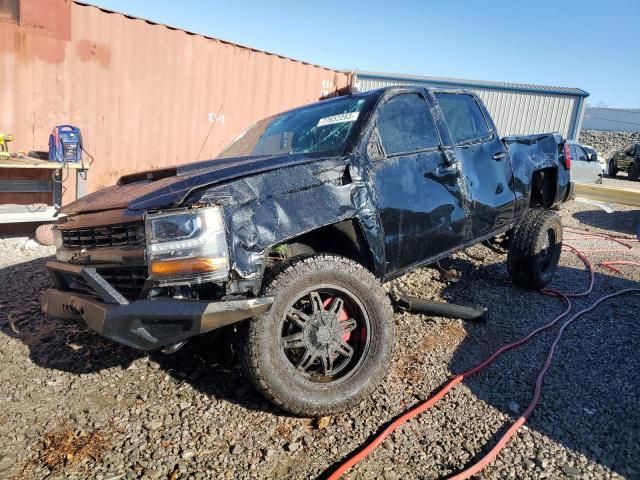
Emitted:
<point x="534" y="252"/>
<point x="327" y="340"/>
<point x="324" y="334"/>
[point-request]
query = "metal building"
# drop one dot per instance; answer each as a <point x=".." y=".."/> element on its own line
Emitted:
<point x="612" y="119"/>
<point x="517" y="109"/>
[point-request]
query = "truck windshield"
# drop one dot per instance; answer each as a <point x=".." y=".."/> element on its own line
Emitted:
<point x="319" y="128"/>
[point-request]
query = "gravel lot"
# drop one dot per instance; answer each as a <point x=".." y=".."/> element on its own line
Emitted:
<point x="607" y="143"/>
<point x="77" y="406"/>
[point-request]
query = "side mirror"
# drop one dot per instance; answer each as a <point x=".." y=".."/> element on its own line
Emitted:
<point x="593" y="157"/>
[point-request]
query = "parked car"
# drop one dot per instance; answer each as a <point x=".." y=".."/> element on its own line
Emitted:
<point x="585" y="167"/>
<point x="291" y="231"/>
<point x="626" y="160"/>
<point x="599" y="158"/>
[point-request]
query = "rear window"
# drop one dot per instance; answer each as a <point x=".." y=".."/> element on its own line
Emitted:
<point x="463" y="116"/>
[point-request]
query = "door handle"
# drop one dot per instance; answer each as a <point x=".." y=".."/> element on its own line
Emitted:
<point x="499" y="155"/>
<point x="447" y="155"/>
<point x="447" y="169"/>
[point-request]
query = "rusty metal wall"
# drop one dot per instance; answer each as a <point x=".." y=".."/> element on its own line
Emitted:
<point x="140" y="92"/>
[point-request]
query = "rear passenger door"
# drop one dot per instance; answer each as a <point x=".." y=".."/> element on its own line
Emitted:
<point x="483" y="160"/>
<point x="418" y="194"/>
<point x="579" y="171"/>
<point x="584" y="170"/>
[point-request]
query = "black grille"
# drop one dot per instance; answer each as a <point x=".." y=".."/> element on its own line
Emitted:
<point x="128" y="281"/>
<point x="129" y="234"/>
<point x="78" y="284"/>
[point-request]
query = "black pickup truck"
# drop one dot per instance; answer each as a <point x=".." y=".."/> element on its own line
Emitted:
<point x="292" y="230"/>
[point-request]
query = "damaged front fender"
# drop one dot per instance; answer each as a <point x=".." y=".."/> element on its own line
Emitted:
<point x="265" y="210"/>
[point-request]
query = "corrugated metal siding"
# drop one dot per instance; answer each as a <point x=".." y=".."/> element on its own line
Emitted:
<point x="612" y="119"/>
<point x="514" y="112"/>
<point x="141" y="93"/>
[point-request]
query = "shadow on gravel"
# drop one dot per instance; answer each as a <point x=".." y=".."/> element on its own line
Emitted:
<point x="590" y="399"/>
<point x="208" y="362"/>
<point x="626" y="221"/>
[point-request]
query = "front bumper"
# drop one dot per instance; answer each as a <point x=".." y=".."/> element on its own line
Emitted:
<point x="142" y="324"/>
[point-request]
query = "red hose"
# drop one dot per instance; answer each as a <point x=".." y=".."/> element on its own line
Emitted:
<point x="423" y="406"/>
<point x="621" y="262"/>
<point x="613" y="238"/>
<point x="484" y="461"/>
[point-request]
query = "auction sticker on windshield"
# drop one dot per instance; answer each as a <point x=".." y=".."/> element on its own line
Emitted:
<point x="342" y="118"/>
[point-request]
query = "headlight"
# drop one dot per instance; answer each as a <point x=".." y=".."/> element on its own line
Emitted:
<point x="189" y="245"/>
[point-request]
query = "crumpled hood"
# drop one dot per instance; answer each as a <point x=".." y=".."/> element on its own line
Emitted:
<point x="170" y="186"/>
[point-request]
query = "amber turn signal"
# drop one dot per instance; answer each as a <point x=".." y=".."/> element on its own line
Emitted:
<point x="187" y="265"/>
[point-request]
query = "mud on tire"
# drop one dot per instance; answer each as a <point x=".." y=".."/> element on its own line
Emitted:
<point x="330" y="307"/>
<point x="535" y="249"/>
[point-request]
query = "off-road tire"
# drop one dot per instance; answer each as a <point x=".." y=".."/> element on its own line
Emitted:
<point x="633" y="172"/>
<point x="612" y="169"/>
<point x="530" y="263"/>
<point x="267" y="367"/>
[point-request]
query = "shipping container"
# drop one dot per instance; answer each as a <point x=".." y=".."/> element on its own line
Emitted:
<point x="144" y="95"/>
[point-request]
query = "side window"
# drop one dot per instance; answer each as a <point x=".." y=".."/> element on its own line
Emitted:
<point x="574" y="151"/>
<point x="405" y="125"/>
<point x="463" y="116"/>
<point x="581" y="155"/>
<point x="629" y="150"/>
<point x="590" y="152"/>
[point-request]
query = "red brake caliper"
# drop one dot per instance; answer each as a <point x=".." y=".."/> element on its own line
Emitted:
<point x="342" y="317"/>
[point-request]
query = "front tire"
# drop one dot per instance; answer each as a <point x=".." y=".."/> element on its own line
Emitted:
<point x="612" y="168"/>
<point x="633" y="172"/>
<point x="327" y="340"/>
<point x="535" y="249"/>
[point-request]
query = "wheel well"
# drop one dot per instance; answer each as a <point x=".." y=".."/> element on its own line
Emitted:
<point x="544" y="185"/>
<point x="343" y="238"/>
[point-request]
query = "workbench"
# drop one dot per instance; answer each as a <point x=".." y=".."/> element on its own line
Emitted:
<point x="31" y="189"/>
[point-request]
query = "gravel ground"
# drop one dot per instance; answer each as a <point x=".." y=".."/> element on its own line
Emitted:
<point x="77" y="406"/>
<point x="607" y="143"/>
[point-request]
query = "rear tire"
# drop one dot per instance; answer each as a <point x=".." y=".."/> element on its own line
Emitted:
<point x="612" y="168"/>
<point x="313" y="354"/>
<point x="535" y="249"/>
<point x="633" y="172"/>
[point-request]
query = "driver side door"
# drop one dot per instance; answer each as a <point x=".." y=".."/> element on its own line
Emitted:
<point x="420" y="202"/>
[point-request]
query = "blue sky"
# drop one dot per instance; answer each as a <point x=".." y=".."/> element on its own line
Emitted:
<point x="567" y="43"/>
